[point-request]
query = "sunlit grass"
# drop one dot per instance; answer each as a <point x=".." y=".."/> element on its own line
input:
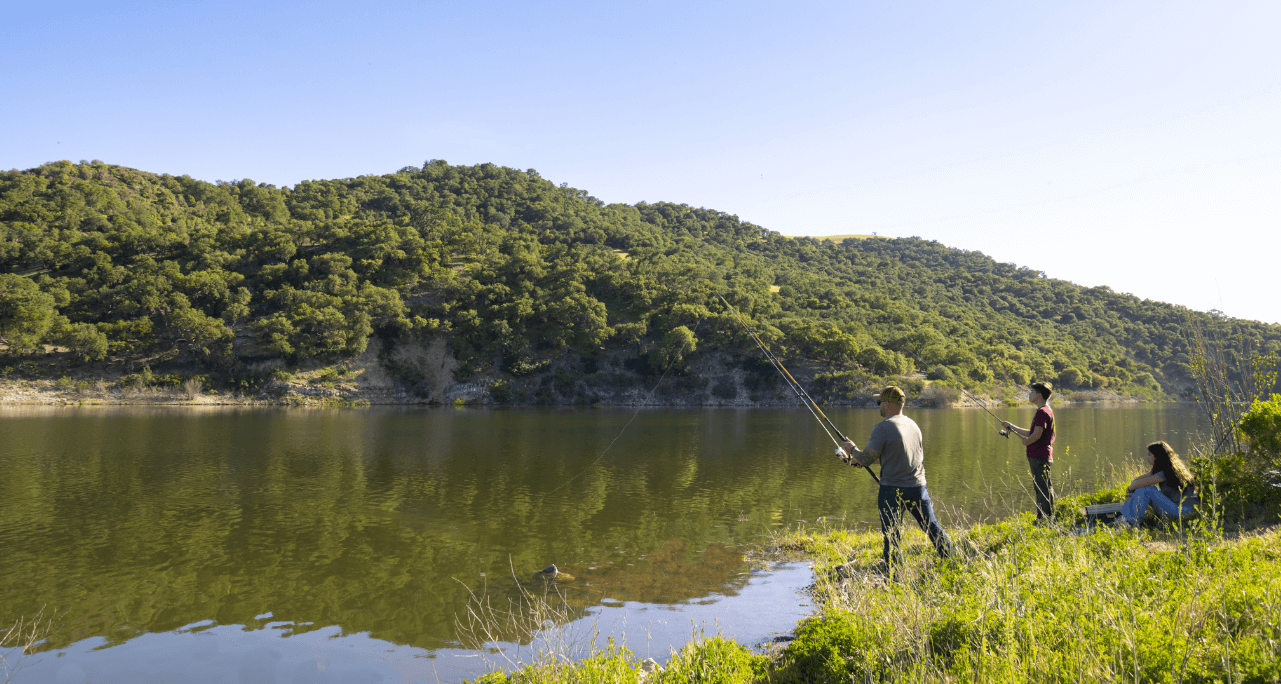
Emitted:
<point x="1017" y="603"/>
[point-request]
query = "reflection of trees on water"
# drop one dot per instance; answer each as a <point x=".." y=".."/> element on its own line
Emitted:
<point x="136" y="524"/>
<point x="669" y="574"/>
<point x="516" y="609"/>
<point x="148" y="522"/>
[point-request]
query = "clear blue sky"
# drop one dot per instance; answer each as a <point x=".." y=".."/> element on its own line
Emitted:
<point x="1135" y="145"/>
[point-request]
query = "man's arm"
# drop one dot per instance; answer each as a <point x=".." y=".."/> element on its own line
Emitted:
<point x="1030" y="434"/>
<point x="857" y="458"/>
<point x="1016" y="429"/>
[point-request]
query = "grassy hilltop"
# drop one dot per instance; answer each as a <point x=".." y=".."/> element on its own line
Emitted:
<point x="539" y="290"/>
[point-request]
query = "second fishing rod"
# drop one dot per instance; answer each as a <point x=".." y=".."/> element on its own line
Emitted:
<point x="824" y="422"/>
<point x="1000" y="423"/>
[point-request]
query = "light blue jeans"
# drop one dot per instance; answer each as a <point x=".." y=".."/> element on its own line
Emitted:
<point x="1135" y="506"/>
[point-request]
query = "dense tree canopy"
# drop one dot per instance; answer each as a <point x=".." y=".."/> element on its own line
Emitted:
<point x="106" y="260"/>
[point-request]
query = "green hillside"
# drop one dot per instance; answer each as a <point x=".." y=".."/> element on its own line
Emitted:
<point x="116" y="266"/>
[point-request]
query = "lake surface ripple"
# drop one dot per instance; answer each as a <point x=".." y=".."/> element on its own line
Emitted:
<point x="201" y="545"/>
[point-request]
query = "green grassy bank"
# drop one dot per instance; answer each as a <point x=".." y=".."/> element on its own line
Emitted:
<point x="1018" y="603"/>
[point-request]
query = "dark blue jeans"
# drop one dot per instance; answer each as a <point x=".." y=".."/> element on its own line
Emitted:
<point x="895" y="503"/>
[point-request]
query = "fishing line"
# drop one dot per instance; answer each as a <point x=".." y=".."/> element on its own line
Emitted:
<point x="791" y="382"/>
<point x="1000" y="424"/>
<point x="804" y="396"/>
<point x="811" y="404"/>
<point x="591" y="465"/>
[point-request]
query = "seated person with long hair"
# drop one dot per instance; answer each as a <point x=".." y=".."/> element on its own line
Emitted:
<point x="1169" y="486"/>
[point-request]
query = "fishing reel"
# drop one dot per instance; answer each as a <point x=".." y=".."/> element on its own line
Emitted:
<point x="840" y="453"/>
<point x="1005" y="434"/>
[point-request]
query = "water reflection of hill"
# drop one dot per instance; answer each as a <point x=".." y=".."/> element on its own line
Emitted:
<point x="668" y="574"/>
<point x="136" y="522"/>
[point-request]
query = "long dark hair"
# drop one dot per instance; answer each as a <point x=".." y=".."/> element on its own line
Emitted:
<point x="1168" y="463"/>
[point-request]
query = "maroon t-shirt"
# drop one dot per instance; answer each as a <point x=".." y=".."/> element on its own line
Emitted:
<point x="1043" y="448"/>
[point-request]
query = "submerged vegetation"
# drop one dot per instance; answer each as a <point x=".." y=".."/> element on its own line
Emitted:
<point x="114" y="265"/>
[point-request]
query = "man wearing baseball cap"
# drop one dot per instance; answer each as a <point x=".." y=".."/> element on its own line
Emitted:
<point x="896" y="444"/>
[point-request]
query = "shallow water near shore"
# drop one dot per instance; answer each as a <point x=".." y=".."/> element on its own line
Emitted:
<point x="209" y="545"/>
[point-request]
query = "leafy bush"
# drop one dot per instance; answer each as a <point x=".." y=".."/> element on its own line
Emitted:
<point x="717" y="660"/>
<point x="678" y="343"/>
<point x="328" y="374"/>
<point x="26" y="314"/>
<point x="1261" y="424"/>
<point x="501" y="392"/>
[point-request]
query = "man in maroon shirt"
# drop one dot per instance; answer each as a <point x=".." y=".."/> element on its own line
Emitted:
<point x="1039" y="440"/>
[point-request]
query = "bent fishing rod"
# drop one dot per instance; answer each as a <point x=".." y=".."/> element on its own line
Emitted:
<point x="1000" y="423"/>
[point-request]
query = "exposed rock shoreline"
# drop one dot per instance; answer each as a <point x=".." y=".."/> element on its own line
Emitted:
<point x="427" y="374"/>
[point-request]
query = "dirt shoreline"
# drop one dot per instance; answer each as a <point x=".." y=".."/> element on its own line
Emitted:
<point x="22" y="392"/>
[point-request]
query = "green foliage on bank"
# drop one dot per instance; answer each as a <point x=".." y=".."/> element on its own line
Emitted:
<point x="108" y="261"/>
<point x="706" y="660"/>
<point x="1018" y="604"/>
<point x="1034" y="605"/>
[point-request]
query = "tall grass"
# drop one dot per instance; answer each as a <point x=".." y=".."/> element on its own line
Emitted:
<point x="1017" y="603"/>
<point x="540" y="625"/>
<point x="1022" y="603"/>
<point x="20" y="640"/>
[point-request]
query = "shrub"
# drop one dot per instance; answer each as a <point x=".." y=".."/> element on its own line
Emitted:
<point x="329" y="375"/>
<point x="714" y="660"/>
<point x="1071" y="377"/>
<point x="191" y="388"/>
<point x="884" y="361"/>
<point x="26" y="314"/>
<point x="672" y="350"/>
<point x="940" y="396"/>
<point x="1262" y="427"/>
<point x="981" y="373"/>
<point x="84" y="340"/>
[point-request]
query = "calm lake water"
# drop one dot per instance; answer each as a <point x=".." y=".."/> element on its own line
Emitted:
<point x="334" y="545"/>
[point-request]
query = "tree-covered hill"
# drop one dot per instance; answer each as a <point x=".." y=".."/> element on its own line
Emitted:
<point x="118" y="265"/>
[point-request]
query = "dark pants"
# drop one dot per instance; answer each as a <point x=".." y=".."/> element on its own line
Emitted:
<point x="896" y="504"/>
<point x="1044" y="488"/>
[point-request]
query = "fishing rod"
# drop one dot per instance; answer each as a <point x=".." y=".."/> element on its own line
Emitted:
<point x="808" y="401"/>
<point x="812" y="405"/>
<point x="1000" y="423"/>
